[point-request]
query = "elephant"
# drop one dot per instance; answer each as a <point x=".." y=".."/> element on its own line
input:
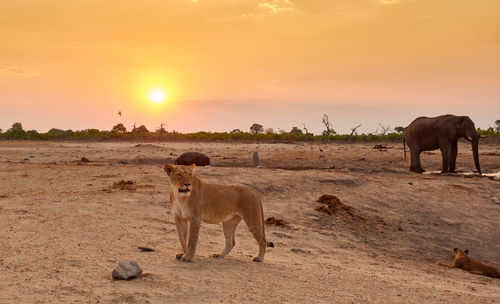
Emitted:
<point x="443" y="132"/>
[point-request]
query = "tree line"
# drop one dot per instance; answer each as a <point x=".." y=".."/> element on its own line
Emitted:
<point x="257" y="132"/>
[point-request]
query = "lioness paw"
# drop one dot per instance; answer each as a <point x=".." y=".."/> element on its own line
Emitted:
<point x="256" y="259"/>
<point x="179" y="256"/>
<point x="217" y="255"/>
<point x="188" y="260"/>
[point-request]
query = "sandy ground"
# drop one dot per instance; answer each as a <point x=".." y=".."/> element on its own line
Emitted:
<point x="64" y="227"/>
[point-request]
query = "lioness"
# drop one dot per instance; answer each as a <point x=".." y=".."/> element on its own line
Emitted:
<point x="462" y="260"/>
<point x="194" y="201"/>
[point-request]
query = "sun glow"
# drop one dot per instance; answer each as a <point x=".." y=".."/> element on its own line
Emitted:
<point x="158" y="96"/>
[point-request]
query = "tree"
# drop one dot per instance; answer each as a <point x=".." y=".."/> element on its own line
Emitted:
<point x="56" y="133"/>
<point x="16" y="131"/>
<point x="328" y="126"/>
<point x="161" y="130"/>
<point x="305" y="129"/>
<point x="497" y="122"/>
<point x="383" y="129"/>
<point x="119" y="128"/>
<point x="16" y="127"/>
<point x="399" y="129"/>
<point x="256" y="128"/>
<point x="269" y="131"/>
<point x="236" y="131"/>
<point x="353" y="130"/>
<point x="296" y="131"/>
<point x="141" y="129"/>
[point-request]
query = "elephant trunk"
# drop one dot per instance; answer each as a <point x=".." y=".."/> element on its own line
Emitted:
<point x="475" y="153"/>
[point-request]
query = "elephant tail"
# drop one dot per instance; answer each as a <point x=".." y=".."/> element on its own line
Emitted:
<point x="404" y="147"/>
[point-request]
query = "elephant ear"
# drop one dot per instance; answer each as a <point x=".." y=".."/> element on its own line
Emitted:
<point x="462" y="123"/>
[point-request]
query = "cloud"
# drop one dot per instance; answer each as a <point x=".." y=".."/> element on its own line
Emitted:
<point x="17" y="71"/>
<point x="276" y="6"/>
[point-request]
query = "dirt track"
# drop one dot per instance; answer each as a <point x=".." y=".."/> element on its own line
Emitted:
<point x="65" y="224"/>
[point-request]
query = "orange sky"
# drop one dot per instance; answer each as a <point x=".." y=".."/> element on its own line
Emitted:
<point x="229" y="63"/>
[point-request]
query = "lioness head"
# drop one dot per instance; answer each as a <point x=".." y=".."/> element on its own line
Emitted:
<point x="180" y="177"/>
<point x="459" y="252"/>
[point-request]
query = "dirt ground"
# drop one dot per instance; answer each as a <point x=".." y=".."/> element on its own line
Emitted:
<point x="66" y="223"/>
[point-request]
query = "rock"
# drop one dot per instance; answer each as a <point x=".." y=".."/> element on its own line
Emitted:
<point x="145" y="249"/>
<point x="126" y="270"/>
<point x="85" y="160"/>
<point x="255" y="159"/>
<point x="298" y="250"/>
<point x="190" y="158"/>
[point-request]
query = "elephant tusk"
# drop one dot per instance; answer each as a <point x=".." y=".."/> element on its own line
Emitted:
<point x="484" y="136"/>
<point x="469" y="138"/>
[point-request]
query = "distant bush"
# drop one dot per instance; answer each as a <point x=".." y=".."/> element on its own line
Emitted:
<point x="16" y="132"/>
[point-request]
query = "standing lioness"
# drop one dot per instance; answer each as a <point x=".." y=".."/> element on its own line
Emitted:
<point x="194" y="201"/>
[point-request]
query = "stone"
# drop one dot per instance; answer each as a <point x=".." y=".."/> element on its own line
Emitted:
<point x="126" y="270"/>
<point x="255" y="158"/>
<point x="190" y="158"/>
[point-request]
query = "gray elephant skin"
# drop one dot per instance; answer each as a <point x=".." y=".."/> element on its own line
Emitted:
<point x="443" y="132"/>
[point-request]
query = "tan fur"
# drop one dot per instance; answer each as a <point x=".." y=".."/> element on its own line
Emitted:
<point x="463" y="261"/>
<point x="194" y="201"/>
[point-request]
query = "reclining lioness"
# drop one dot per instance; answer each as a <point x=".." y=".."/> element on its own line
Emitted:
<point x="194" y="201"/>
<point x="462" y="260"/>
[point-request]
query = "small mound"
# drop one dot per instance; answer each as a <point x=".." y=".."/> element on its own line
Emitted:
<point x="277" y="222"/>
<point x="124" y="185"/>
<point x="333" y="206"/>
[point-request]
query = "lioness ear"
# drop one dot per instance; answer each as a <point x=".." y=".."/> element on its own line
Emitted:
<point x="466" y="251"/>
<point x="169" y="168"/>
<point x="455" y="249"/>
<point x="192" y="167"/>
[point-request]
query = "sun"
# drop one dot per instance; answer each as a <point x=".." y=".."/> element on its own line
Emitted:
<point x="158" y="96"/>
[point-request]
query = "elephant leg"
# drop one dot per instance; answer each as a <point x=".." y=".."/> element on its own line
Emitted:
<point x="445" y="147"/>
<point x="415" y="160"/>
<point x="453" y="157"/>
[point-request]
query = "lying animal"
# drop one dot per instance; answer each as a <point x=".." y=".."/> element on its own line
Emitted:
<point x="462" y="260"/>
<point x="190" y="158"/>
<point x="194" y="201"/>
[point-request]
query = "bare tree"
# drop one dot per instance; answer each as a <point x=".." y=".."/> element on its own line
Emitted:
<point x="497" y="122"/>
<point x="383" y="129"/>
<point x="328" y="126"/>
<point x="353" y="130"/>
<point x="161" y="129"/>
<point x="305" y="129"/>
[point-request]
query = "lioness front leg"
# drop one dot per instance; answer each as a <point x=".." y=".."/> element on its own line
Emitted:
<point x="182" y="227"/>
<point x="229" y="227"/>
<point x="194" y="229"/>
